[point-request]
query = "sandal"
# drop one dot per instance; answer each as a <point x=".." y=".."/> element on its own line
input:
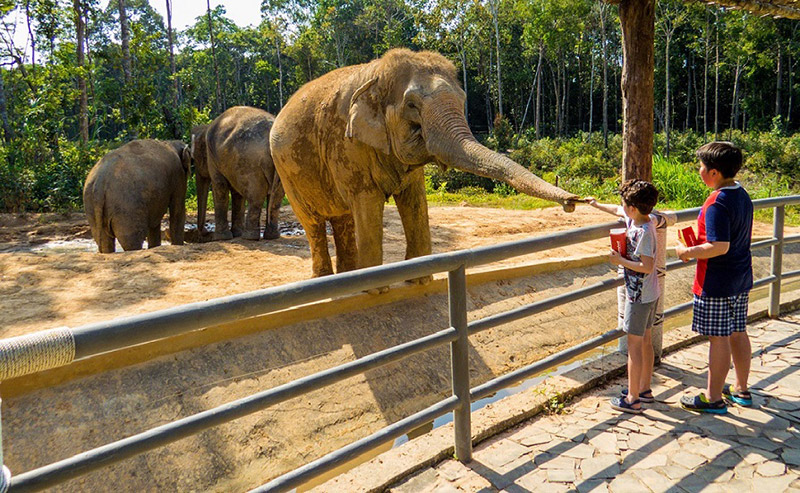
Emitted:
<point x="701" y="404"/>
<point x="740" y="398"/>
<point x="620" y="404"/>
<point x="644" y="396"/>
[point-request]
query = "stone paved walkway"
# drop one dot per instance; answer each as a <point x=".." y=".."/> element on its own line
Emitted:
<point x="590" y="447"/>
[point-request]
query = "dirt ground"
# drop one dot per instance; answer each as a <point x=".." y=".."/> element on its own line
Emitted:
<point x="48" y="278"/>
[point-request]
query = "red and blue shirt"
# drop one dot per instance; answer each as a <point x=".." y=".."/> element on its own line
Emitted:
<point x="727" y="215"/>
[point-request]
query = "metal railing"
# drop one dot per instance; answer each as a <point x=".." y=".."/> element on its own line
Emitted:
<point x="93" y="339"/>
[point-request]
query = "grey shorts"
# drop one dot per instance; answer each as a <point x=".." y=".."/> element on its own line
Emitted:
<point x="639" y="317"/>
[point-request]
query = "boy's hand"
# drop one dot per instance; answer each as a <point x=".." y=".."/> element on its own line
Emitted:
<point x="591" y="201"/>
<point x="682" y="252"/>
<point x="615" y="258"/>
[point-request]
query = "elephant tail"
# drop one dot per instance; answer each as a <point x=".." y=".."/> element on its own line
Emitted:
<point x="102" y="220"/>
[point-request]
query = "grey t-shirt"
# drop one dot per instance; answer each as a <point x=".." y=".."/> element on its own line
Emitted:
<point x="641" y="240"/>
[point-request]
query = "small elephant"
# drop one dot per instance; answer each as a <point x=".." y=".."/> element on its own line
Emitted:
<point x="128" y="191"/>
<point x="239" y="162"/>
<point x="347" y="141"/>
<point x="201" y="176"/>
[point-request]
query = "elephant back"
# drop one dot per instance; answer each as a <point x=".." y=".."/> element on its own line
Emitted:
<point x="241" y="133"/>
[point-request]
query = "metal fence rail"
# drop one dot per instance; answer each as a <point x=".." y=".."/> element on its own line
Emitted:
<point x="89" y="340"/>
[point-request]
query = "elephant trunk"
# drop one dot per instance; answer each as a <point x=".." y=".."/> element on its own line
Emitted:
<point x="449" y="139"/>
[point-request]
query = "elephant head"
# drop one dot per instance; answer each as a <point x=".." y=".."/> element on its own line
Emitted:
<point x="410" y="105"/>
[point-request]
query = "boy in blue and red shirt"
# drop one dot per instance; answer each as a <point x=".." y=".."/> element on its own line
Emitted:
<point x="723" y="278"/>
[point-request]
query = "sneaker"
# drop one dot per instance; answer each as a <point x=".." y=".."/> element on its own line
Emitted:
<point x="620" y="404"/>
<point x="740" y="398"/>
<point x="701" y="404"/>
<point x="645" y="396"/>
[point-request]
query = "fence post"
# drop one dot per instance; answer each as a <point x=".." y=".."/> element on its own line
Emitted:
<point x="459" y="356"/>
<point x="774" y="310"/>
<point x="5" y="474"/>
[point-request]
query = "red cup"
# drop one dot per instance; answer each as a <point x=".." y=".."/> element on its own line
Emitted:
<point x="618" y="240"/>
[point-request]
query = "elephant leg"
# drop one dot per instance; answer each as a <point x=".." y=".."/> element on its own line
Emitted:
<point x="154" y="236"/>
<point x="177" y="218"/>
<point x="413" y="209"/>
<point x="344" y="237"/>
<point x="220" y="190"/>
<point x="252" y="227"/>
<point x="368" y="217"/>
<point x="271" y="229"/>
<point x="318" y="243"/>
<point x="202" y="204"/>
<point x="237" y="214"/>
<point x="106" y="243"/>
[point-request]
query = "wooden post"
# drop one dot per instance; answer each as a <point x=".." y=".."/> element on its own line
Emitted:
<point x="637" y="18"/>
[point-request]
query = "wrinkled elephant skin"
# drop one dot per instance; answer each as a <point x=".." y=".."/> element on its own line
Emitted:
<point x="131" y="188"/>
<point x="239" y="163"/>
<point x="347" y="141"/>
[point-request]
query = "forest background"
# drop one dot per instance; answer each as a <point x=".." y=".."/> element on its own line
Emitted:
<point x="542" y="79"/>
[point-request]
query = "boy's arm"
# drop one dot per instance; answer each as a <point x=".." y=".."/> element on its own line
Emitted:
<point x="645" y="264"/>
<point x="704" y="250"/>
<point x="609" y="208"/>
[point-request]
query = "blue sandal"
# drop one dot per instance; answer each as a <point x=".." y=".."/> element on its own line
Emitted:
<point x="701" y="404"/>
<point x="644" y="396"/>
<point x="740" y="398"/>
<point x="620" y="404"/>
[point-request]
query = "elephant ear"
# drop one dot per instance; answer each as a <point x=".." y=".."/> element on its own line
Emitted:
<point x="365" y="120"/>
<point x="186" y="158"/>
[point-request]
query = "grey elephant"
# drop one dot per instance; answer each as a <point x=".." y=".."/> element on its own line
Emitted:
<point x="240" y="163"/>
<point x="347" y="141"/>
<point x="130" y="189"/>
<point x="201" y="176"/>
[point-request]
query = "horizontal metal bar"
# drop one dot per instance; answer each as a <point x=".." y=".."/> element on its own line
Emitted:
<point x="339" y="457"/>
<point x="512" y="378"/>
<point x="790" y="274"/>
<point x="765" y="280"/>
<point x="791" y="239"/>
<point x="687" y="214"/>
<point x="680" y="264"/>
<point x="677" y="309"/>
<point x="542" y="305"/>
<point x="765" y="243"/>
<point x="114" y="452"/>
<point x="776" y="201"/>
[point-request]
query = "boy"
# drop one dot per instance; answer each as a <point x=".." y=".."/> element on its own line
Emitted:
<point x="723" y="278"/>
<point x="641" y="288"/>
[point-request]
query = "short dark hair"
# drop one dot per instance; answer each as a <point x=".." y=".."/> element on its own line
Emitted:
<point x="639" y="193"/>
<point x="722" y="156"/>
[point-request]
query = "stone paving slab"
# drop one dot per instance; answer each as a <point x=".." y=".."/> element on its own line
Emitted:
<point x="589" y="447"/>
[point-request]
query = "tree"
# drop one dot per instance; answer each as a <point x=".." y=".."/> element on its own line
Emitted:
<point x="83" y="105"/>
<point x="218" y="103"/>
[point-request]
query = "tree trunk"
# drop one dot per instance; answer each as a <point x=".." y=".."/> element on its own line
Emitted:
<point x="126" y="40"/>
<point x="604" y="43"/>
<point x="539" y="91"/>
<point x="778" y="85"/>
<point x="735" y="102"/>
<point x="690" y="77"/>
<point x="716" y="84"/>
<point x="495" y="6"/>
<point x="705" y="76"/>
<point x="280" y="69"/>
<point x="462" y="53"/>
<point x="171" y="38"/>
<point x="591" y="94"/>
<point x="30" y="34"/>
<point x="666" y="92"/>
<point x="637" y="18"/>
<point x="8" y="133"/>
<point x="789" y="98"/>
<point x="218" y="102"/>
<point x="83" y="100"/>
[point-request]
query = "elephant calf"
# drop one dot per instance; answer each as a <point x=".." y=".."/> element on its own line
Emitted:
<point x="128" y="191"/>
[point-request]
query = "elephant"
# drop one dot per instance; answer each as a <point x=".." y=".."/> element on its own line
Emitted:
<point x="129" y="189"/>
<point x="201" y="176"/>
<point x="239" y="162"/>
<point x="346" y="142"/>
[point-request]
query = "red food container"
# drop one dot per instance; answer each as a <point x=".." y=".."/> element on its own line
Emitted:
<point x="687" y="237"/>
<point x="618" y="241"/>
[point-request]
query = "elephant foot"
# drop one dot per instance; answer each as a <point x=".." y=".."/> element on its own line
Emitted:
<point x="250" y="234"/>
<point x="222" y="235"/>
<point x="271" y="232"/>
<point x="421" y="280"/>
<point x="380" y="290"/>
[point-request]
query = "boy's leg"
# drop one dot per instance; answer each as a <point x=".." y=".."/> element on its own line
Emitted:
<point x="719" y="363"/>
<point x="741" y="352"/>
<point x="648" y="359"/>
<point x="635" y="367"/>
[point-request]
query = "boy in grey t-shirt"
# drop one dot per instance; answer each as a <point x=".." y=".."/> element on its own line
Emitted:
<point x="641" y="288"/>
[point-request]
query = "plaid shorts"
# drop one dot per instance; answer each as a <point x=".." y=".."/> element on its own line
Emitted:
<point x="720" y="316"/>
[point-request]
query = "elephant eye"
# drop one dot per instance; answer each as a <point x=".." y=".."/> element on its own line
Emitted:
<point x="411" y="105"/>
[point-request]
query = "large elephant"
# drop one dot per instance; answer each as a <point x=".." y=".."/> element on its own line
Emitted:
<point x="128" y="191"/>
<point x="239" y="162"/>
<point x="347" y="141"/>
